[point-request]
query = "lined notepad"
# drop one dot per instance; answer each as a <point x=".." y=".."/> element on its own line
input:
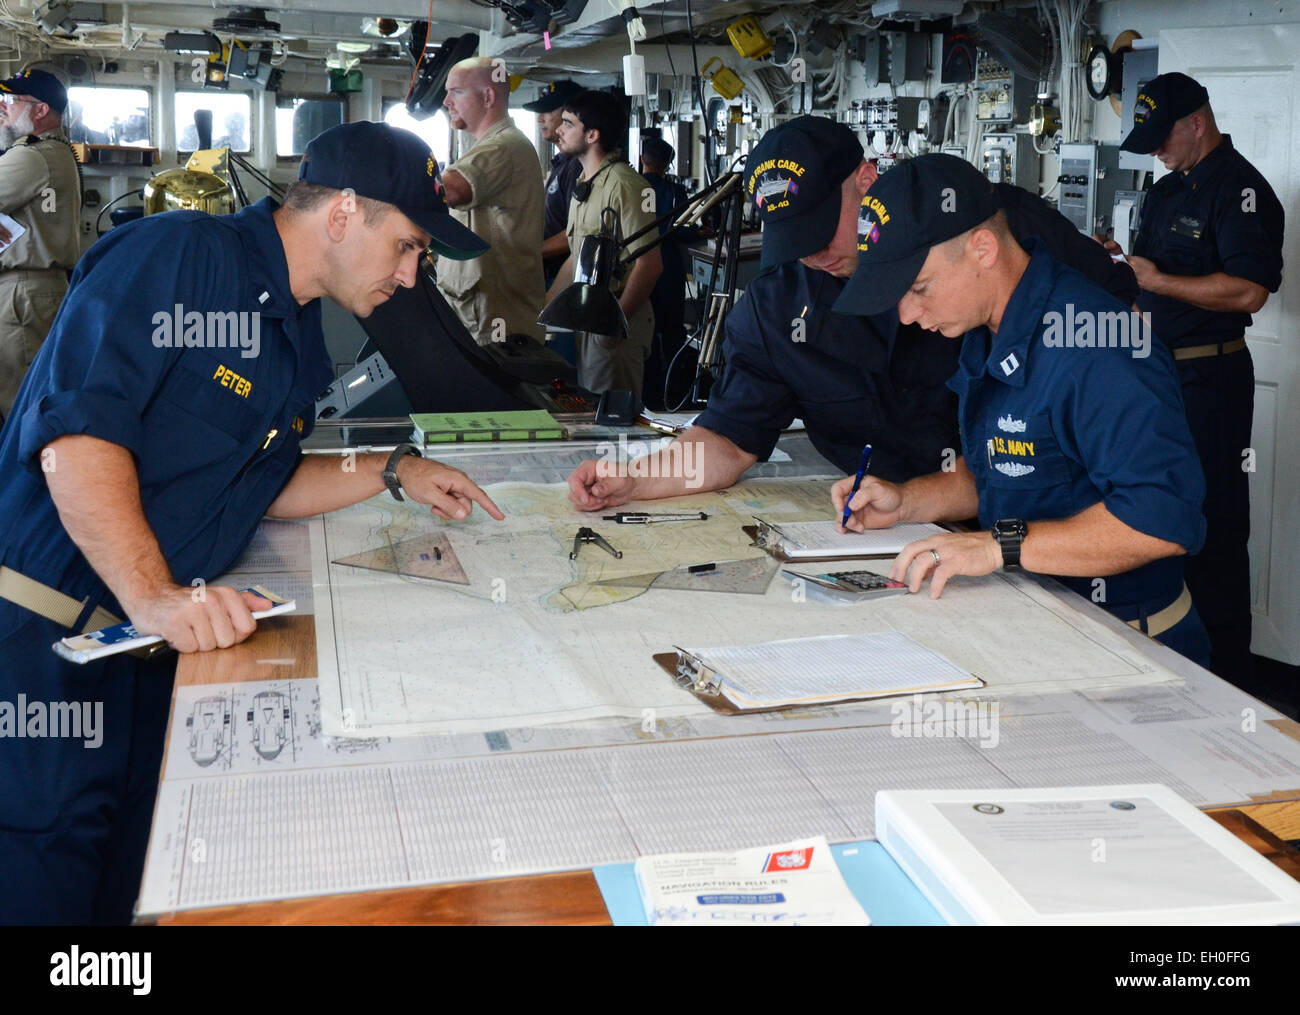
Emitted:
<point x="821" y="540"/>
<point x="831" y="668"/>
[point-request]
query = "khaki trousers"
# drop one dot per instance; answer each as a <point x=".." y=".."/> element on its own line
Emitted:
<point x="29" y="299"/>
<point x="607" y="364"/>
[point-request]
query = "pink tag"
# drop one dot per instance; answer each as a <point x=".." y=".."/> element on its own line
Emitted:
<point x="546" y="38"/>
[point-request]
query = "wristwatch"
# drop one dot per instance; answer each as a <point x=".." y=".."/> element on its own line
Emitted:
<point x="1010" y="533"/>
<point x="390" y="470"/>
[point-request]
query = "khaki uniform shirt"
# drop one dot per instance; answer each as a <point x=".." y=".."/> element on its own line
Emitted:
<point x="506" y="210"/>
<point x="39" y="187"/>
<point x="622" y="188"/>
<point x="607" y="363"/>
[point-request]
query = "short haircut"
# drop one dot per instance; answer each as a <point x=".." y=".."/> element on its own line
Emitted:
<point x="657" y="154"/>
<point x="304" y="197"/>
<point x="600" y="111"/>
<point x="996" y="224"/>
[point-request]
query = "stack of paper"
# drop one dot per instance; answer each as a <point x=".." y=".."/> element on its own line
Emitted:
<point x="794" y="884"/>
<point x="1132" y="854"/>
<point x="812" y="671"/>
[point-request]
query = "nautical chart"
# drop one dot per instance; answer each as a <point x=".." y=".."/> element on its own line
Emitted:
<point x="535" y="638"/>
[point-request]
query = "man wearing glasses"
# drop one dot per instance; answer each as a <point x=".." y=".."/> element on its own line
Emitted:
<point x="40" y="190"/>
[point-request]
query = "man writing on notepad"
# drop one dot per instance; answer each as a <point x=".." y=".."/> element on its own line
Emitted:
<point x="1076" y="454"/>
<point x="788" y="354"/>
<point x="137" y="466"/>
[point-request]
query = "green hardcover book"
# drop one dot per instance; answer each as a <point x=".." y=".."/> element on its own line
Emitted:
<point x="453" y="427"/>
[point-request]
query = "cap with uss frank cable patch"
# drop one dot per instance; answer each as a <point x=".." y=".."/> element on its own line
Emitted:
<point x="1162" y="102"/>
<point x="918" y="204"/>
<point x="794" y="176"/>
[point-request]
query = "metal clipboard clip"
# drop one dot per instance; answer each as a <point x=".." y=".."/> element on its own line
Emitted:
<point x="768" y="536"/>
<point x="694" y="673"/>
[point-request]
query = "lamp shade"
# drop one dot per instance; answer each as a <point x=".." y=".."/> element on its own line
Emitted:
<point x="588" y="304"/>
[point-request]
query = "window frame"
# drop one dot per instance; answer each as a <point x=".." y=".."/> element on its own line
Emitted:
<point x="342" y="100"/>
<point x="252" y="112"/>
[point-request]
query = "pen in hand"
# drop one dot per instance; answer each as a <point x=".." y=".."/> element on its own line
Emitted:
<point x="857" y="482"/>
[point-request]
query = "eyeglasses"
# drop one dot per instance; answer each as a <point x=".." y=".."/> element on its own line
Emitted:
<point x="9" y="99"/>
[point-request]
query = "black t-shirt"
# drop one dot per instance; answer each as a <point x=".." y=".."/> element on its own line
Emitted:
<point x="1220" y="217"/>
<point x="852" y="380"/>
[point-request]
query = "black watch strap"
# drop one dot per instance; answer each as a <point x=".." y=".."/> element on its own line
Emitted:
<point x="390" y="470"/>
<point x="1010" y="533"/>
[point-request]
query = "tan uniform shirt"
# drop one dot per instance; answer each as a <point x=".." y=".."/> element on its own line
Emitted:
<point x="39" y="188"/>
<point x="508" y="211"/>
<point x="606" y="363"/>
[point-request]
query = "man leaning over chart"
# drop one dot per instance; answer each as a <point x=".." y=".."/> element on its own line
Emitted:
<point x="1076" y="456"/>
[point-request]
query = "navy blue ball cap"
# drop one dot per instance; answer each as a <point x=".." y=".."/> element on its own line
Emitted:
<point x="1161" y="103"/>
<point x="920" y="203"/>
<point x="794" y="176"/>
<point x="553" y="96"/>
<point x="41" y="85"/>
<point x="392" y="165"/>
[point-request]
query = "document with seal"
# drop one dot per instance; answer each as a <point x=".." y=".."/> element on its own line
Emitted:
<point x="1130" y="854"/>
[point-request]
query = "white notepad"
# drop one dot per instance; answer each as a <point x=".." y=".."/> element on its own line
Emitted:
<point x="15" y="228"/>
<point x="810" y="671"/>
<point x="1130" y="854"/>
<point x="823" y="540"/>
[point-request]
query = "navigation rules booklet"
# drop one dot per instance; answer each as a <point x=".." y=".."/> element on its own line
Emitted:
<point x="794" y="884"/>
<point x="824" y="540"/>
<point x="819" y="670"/>
<point x="123" y="637"/>
<point x="519" y="425"/>
<point x="1111" y="855"/>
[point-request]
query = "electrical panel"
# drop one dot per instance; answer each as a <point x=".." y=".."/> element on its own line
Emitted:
<point x="893" y="57"/>
<point x="1010" y="158"/>
<point x="1140" y="66"/>
<point x="1089" y="177"/>
<point x="1001" y="96"/>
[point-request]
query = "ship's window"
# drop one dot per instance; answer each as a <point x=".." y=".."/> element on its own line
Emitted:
<point x="108" y="116"/>
<point x="526" y="122"/>
<point x="435" y="131"/>
<point x="231" y="115"/>
<point x="298" y="120"/>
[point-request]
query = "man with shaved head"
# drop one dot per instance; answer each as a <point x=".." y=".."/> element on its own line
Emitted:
<point x="495" y="189"/>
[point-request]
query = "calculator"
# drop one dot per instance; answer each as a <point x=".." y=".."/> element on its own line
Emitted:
<point x="858" y="583"/>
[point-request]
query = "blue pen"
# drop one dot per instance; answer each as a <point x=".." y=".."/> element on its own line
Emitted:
<point x="857" y="482"/>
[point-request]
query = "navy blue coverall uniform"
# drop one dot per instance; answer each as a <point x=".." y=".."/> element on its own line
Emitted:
<point x="215" y="436"/>
<point x="1049" y="431"/>
<point x="1222" y="216"/>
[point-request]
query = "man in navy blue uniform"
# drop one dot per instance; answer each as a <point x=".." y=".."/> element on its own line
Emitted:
<point x="161" y="420"/>
<point x="1208" y="253"/>
<point x="565" y="170"/>
<point x="1075" y="452"/>
<point x="851" y="380"/>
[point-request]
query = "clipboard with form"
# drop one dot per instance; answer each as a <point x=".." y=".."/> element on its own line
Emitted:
<point x="817" y="671"/>
<point x="824" y="541"/>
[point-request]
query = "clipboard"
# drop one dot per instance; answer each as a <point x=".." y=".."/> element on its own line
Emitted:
<point x="769" y="538"/>
<point x="692" y="674"/>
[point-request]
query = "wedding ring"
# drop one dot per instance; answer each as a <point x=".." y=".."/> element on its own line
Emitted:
<point x="935" y="554"/>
